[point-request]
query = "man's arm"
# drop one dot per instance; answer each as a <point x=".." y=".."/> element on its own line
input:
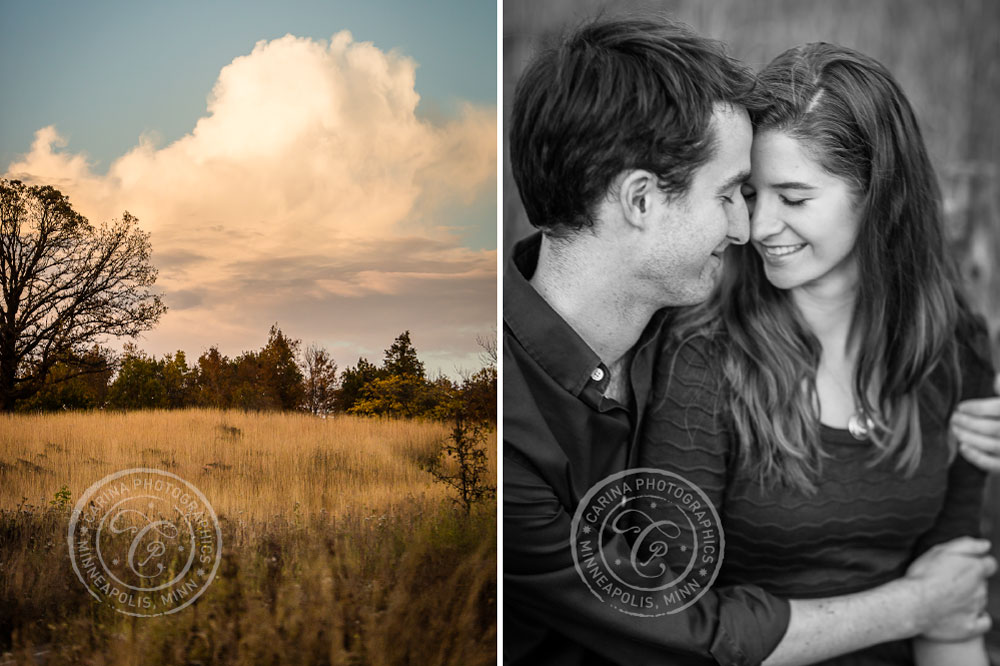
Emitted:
<point x="729" y="626"/>
<point x="941" y="596"/>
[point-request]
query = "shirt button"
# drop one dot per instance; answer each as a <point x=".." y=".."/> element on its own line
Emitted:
<point x="597" y="375"/>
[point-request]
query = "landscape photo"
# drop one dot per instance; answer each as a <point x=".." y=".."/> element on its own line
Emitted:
<point x="248" y="345"/>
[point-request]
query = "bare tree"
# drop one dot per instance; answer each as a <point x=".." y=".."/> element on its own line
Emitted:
<point x="488" y="343"/>
<point x="65" y="285"/>
<point x="320" y="380"/>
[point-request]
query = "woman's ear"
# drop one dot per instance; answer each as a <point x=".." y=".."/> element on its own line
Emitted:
<point x="635" y="196"/>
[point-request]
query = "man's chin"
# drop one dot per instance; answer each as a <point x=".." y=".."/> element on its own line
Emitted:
<point x="693" y="295"/>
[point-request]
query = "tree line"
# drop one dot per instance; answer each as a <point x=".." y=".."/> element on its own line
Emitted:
<point x="66" y="284"/>
<point x="279" y="376"/>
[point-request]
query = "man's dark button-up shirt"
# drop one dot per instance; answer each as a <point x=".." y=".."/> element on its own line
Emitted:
<point x="561" y="436"/>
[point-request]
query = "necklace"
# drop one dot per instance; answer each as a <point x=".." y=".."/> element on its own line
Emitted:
<point x="860" y="425"/>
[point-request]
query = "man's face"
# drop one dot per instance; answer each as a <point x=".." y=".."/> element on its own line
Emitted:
<point x="693" y="230"/>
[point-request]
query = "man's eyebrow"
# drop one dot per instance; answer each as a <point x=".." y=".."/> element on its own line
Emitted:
<point x="738" y="179"/>
<point x="793" y="186"/>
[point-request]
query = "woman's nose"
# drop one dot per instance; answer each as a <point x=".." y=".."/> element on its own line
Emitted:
<point x="764" y="221"/>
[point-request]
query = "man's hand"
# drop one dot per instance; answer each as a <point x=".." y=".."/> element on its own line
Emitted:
<point x="976" y="425"/>
<point x="951" y="578"/>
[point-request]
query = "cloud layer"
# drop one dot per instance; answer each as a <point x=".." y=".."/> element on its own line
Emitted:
<point x="312" y="194"/>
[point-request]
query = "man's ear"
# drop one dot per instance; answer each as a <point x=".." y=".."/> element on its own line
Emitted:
<point x="635" y="196"/>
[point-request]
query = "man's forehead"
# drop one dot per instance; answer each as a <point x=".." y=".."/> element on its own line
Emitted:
<point x="732" y="132"/>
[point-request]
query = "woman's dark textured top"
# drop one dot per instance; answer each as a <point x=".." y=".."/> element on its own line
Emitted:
<point x="862" y="527"/>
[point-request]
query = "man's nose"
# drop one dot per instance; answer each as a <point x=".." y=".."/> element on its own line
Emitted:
<point x="739" y="225"/>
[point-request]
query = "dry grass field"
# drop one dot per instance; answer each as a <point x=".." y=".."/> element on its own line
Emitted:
<point x="338" y="546"/>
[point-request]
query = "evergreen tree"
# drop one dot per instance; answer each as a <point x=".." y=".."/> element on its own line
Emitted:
<point x="401" y="359"/>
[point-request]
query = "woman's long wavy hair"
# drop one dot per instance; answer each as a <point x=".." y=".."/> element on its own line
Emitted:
<point x="852" y="117"/>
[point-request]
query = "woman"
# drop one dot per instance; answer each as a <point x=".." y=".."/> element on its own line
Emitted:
<point x="810" y="397"/>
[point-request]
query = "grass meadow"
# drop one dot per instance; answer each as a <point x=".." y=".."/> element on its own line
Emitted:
<point x="338" y="546"/>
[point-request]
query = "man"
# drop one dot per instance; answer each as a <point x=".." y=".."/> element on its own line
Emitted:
<point x="629" y="143"/>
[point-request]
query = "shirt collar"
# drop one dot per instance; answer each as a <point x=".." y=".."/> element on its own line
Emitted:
<point x="543" y="334"/>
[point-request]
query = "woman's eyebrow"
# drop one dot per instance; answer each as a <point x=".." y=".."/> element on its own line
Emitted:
<point x="794" y="185"/>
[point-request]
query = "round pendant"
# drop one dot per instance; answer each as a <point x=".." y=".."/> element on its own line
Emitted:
<point x="860" y="426"/>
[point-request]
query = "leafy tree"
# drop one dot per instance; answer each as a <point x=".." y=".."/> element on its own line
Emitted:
<point x="66" y="388"/>
<point x="139" y="384"/>
<point x="261" y="380"/>
<point x="64" y="284"/>
<point x="213" y="379"/>
<point x="352" y="381"/>
<point x="178" y="380"/>
<point x="393" y="395"/>
<point x="248" y="390"/>
<point x="280" y="375"/>
<point x="320" y="380"/>
<point x="245" y="390"/>
<point x="479" y="395"/>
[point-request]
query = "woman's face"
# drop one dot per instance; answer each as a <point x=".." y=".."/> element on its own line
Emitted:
<point x="803" y="220"/>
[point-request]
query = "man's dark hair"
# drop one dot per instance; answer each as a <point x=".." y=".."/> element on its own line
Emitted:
<point x="616" y="95"/>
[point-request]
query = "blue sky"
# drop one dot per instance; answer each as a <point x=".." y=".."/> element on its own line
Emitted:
<point x="105" y="72"/>
<point x="282" y="165"/>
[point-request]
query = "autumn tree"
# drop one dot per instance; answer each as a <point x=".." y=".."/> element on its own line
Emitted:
<point x="213" y="380"/>
<point x="400" y="387"/>
<point x="269" y="378"/>
<point x="64" y="285"/>
<point x="280" y="373"/>
<point x="66" y="388"/>
<point x="178" y="380"/>
<point x="320" y="378"/>
<point x="352" y="381"/>
<point x="479" y="395"/>
<point x="139" y="384"/>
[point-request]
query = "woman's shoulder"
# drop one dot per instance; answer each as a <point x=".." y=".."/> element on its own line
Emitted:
<point x="691" y="363"/>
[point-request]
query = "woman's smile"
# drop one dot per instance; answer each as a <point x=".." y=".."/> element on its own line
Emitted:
<point x="773" y="252"/>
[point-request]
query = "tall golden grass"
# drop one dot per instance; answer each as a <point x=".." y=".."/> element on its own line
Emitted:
<point x="338" y="546"/>
<point x="250" y="466"/>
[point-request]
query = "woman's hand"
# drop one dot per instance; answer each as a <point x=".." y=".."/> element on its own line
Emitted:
<point x="976" y="425"/>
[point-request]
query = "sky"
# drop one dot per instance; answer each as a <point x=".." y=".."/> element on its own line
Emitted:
<point x="326" y="166"/>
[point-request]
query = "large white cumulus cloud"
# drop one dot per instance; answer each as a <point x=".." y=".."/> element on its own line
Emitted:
<point x="310" y="193"/>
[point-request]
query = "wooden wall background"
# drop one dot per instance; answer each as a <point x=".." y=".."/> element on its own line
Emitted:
<point x="946" y="55"/>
